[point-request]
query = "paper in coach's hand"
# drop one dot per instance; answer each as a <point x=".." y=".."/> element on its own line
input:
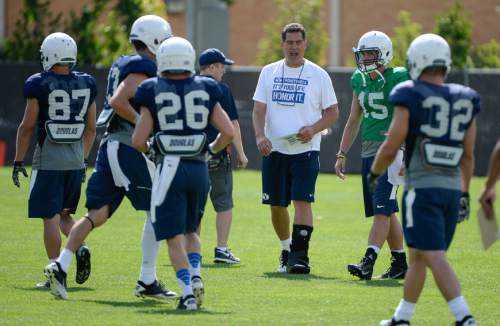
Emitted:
<point x="488" y="228"/>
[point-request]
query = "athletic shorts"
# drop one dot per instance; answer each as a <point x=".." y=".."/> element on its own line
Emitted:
<point x="182" y="208"/>
<point x="102" y="189"/>
<point x="430" y="217"/>
<point x="289" y="177"/>
<point x="53" y="191"/>
<point x="384" y="200"/>
<point x="221" y="182"/>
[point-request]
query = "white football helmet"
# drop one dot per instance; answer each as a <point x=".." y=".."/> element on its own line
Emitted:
<point x="427" y="50"/>
<point x="150" y="30"/>
<point x="175" y="54"/>
<point x="373" y="41"/>
<point x="58" y="48"/>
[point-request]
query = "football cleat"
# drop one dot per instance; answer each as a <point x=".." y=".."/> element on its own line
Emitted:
<point x="82" y="264"/>
<point x="397" y="270"/>
<point x="155" y="290"/>
<point x="283" y="261"/>
<point x="298" y="263"/>
<point x="198" y="289"/>
<point x="363" y="270"/>
<point x="57" y="280"/>
<point x="466" y="321"/>
<point x="43" y="285"/>
<point x="187" y="303"/>
<point x="394" y="322"/>
<point x="225" y="256"/>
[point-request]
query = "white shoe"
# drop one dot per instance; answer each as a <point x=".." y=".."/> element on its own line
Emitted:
<point x="198" y="289"/>
<point x="57" y="280"/>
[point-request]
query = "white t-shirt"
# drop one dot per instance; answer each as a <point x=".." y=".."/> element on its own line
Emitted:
<point x="294" y="98"/>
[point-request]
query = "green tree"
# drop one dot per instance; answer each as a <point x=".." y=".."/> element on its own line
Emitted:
<point x="486" y="55"/>
<point x="29" y="32"/>
<point x="98" y="43"/>
<point x="456" y="27"/>
<point x="406" y="32"/>
<point x="306" y="12"/>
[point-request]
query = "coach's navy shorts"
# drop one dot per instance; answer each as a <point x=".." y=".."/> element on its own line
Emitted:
<point x="289" y="177"/>
<point x="53" y="191"/>
<point x="182" y="209"/>
<point x="430" y="217"/>
<point x="384" y="201"/>
<point x="101" y="188"/>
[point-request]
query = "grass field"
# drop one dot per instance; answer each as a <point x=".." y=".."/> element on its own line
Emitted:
<point x="250" y="293"/>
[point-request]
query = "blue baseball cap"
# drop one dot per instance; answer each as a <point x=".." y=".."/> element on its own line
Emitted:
<point x="213" y="55"/>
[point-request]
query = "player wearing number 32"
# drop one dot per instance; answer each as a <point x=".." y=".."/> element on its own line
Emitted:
<point x="437" y="122"/>
<point x="60" y="105"/>
<point x="178" y="108"/>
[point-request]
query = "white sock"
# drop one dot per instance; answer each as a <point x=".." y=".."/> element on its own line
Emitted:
<point x="405" y="310"/>
<point x="459" y="307"/>
<point x="149" y="252"/>
<point x="285" y="244"/>
<point x="65" y="259"/>
<point x="399" y="251"/>
<point x="222" y="248"/>
<point x="375" y="248"/>
<point x="52" y="260"/>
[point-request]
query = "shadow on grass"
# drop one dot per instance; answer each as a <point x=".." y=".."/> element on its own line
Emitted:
<point x="390" y="283"/>
<point x="37" y="289"/>
<point x="297" y="277"/>
<point x="220" y="265"/>
<point x="174" y="311"/>
<point x="135" y="303"/>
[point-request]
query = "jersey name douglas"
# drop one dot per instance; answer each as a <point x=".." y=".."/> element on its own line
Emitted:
<point x="439" y="118"/>
<point x="63" y="102"/>
<point x="181" y="110"/>
<point x="117" y="128"/>
<point x="373" y="96"/>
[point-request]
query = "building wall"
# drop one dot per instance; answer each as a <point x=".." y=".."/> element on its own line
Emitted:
<point x="248" y="18"/>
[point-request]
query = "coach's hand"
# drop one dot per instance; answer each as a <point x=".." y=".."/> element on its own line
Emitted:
<point x="464" y="210"/>
<point x="241" y="160"/>
<point x="264" y="145"/>
<point x="305" y="134"/>
<point x="18" y="167"/>
<point x="372" y="181"/>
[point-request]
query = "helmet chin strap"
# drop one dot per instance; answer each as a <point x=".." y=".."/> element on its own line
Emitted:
<point x="381" y="76"/>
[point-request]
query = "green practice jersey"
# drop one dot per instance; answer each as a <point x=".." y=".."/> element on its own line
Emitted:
<point x="373" y="96"/>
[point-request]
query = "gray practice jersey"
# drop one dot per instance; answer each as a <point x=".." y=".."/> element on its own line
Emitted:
<point x="439" y="118"/>
<point x="63" y="102"/>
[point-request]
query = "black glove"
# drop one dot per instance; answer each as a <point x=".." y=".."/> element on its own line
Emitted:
<point x="85" y="166"/>
<point x="464" y="210"/>
<point x="371" y="178"/>
<point x="18" y="167"/>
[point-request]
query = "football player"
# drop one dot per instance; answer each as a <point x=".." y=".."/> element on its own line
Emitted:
<point x="178" y="108"/>
<point x="438" y="123"/>
<point x="371" y="83"/>
<point x="121" y="170"/>
<point x="60" y="107"/>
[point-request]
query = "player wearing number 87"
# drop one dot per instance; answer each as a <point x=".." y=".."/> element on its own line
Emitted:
<point x="371" y="83"/>
<point x="437" y="122"/>
<point x="178" y="108"/>
<point x="61" y="109"/>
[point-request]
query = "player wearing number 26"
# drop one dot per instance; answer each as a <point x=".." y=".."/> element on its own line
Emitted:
<point x="437" y="122"/>
<point x="60" y="107"/>
<point x="178" y="108"/>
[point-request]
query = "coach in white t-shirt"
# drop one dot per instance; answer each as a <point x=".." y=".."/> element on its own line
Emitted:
<point x="294" y="102"/>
